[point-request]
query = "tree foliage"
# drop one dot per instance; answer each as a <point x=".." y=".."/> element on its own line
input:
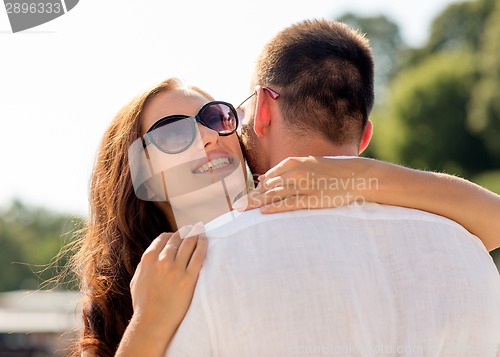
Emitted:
<point x="441" y="109"/>
<point x="431" y="100"/>
<point x="460" y="26"/>
<point x="30" y="241"/>
<point x="483" y="116"/>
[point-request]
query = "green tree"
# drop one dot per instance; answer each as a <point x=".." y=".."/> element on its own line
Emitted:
<point x="484" y="113"/>
<point x="442" y="110"/>
<point x="30" y="240"/>
<point x="426" y="125"/>
<point x="459" y="27"/>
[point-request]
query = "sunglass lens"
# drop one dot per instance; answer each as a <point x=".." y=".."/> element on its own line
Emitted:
<point x="220" y="117"/>
<point x="173" y="136"/>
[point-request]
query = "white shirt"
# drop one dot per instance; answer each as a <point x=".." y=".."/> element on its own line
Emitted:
<point x="352" y="281"/>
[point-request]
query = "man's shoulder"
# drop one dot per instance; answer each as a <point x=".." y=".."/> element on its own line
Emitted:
<point x="233" y="222"/>
<point x="387" y="225"/>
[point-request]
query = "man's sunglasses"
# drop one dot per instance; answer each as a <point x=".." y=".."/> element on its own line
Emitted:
<point x="176" y="133"/>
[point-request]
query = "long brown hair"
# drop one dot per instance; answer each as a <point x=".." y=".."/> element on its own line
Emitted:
<point x="119" y="229"/>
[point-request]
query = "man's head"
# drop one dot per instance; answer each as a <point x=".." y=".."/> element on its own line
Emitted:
<point x="323" y="72"/>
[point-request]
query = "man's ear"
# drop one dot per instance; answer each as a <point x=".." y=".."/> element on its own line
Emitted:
<point x="367" y="136"/>
<point x="262" y="120"/>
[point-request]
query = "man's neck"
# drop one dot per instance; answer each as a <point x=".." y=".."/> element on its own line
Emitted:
<point x="311" y="147"/>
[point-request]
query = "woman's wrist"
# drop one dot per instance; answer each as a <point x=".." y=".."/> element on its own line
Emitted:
<point x="155" y="325"/>
<point x="146" y="336"/>
<point x="375" y="179"/>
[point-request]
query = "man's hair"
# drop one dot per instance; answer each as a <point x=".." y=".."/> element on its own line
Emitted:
<point x="323" y="71"/>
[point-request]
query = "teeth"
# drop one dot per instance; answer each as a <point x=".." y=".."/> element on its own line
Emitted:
<point x="214" y="164"/>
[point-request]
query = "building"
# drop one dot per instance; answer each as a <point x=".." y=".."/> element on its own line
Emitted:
<point x="38" y="323"/>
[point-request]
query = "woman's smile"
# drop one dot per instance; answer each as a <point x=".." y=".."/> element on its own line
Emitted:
<point x="216" y="162"/>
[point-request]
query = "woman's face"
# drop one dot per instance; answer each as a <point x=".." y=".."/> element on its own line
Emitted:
<point x="210" y="159"/>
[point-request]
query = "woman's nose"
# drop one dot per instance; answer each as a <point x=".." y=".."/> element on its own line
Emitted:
<point x="208" y="136"/>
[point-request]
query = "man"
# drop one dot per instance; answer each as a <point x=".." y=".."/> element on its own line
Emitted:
<point x="355" y="281"/>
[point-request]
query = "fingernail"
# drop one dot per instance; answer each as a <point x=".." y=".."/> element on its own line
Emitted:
<point x="183" y="231"/>
<point x="241" y="204"/>
<point x="198" y="228"/>
<point x="261" y="177"/>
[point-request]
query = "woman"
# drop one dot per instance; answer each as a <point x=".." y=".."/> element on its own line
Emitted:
<point x="121" y="226"/>
<point x="138" y="279"/>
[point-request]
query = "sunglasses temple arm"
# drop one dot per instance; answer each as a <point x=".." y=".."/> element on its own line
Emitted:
<point x="247" y="98"/>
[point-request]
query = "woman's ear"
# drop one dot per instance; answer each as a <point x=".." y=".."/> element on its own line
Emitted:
<point x="262" y="119"/>
<point x="367" y="136"/>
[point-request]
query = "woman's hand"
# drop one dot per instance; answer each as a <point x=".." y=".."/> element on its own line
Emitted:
<point x="311" y="182"/>
<point x="162" y="288"/>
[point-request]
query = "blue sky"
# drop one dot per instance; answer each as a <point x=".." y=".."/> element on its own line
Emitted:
<point x="61" y="83"/>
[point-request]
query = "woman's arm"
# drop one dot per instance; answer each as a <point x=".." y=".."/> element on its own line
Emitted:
<point x="314" y="182"/>
<point x="162" y="288"/>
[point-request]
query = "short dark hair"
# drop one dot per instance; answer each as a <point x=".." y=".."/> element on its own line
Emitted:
<point x="324" y="72"/>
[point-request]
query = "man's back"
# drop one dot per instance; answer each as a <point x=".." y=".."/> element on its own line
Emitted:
<point x="370" y="281"/>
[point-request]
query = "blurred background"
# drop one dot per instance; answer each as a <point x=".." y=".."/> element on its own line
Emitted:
<point x="437" y="108"/>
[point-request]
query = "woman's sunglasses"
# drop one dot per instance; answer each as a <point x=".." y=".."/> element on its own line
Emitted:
<point x="176" y="133"/>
